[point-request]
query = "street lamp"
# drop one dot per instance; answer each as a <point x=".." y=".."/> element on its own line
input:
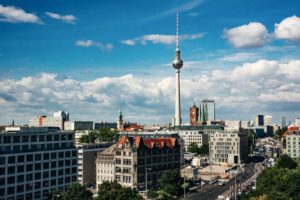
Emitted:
<point x="147" y="181"/>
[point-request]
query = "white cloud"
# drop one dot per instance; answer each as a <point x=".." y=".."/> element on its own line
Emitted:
<point x="17" y="15"/>
<point x="128" y="42"/>
<point x="65" y="18"/>
<point x="161" y="38"/>
<point x="253" y="34"/>
<point x="89" y="43"/>
<point x="241" y="91"/>
<point x="240" y="57"/>
<point x="288" y="29"/>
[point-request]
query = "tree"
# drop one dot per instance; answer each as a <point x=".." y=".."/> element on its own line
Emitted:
<point x="286" y="162"/>
<point x="77" y="192"/>
<point x="113" y="190"/>
<point x="103" y="135"/>
<point x="193" y="148"/>
<point x="55" y="195"/>
<point x="170" y="182"/>
<point x="152" y="194"/>
<point x="204" y="149"/>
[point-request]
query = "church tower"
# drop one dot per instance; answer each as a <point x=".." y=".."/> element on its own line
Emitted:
<point x="120" y="124"/>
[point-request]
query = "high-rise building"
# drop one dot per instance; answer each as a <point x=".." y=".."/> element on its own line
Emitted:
<point x="194" y="114"/>
<point x="209" y="110"/>
<point x="267" y="120"/>
<point x="259" y="120"/>
<point x="283" y="122"/>
<point x="177" y="64"/>
<point x="293" y="144"/>
<point x="34" y="161"/>
<point x="58" y="120"/>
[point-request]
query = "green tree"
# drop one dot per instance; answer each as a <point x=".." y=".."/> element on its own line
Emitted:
<point x="194" y="148"/>
<point x="55" y="195"/>
<point x="152" y="194"/>
<point x="170" y="182"/>
<point x="77" y="192"/>
<point x="113" y="190"/>
<point x="286" y="162"/>
<point x="204" y="149"/>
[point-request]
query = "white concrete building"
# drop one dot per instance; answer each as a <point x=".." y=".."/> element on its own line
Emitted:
<point x="193" y="136"/>
<point x="34" y="161"/>
<point x="87" y="155"/>
<point x="245" y="124"/>
<point x="293" y="145"/>
<point x="58" y="120"/>
<point x="228" y="147"/>
<point x="105" y="165"/>
<point x="268" y="120"/>
<point x="231" y="125"/>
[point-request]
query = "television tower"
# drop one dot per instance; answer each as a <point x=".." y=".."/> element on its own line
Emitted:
<point x="177" y="64"/>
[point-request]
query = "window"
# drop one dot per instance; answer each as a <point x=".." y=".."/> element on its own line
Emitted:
<point x="20" y="159"/>
<point x="10" y="190"/>
<point x="118" y="161"/>
<point x="46" y="175"/>
<point x="67" y="171"/>
<point x="61" y="163"/>
<point x="118" y="178"/>
<point x="46" y="165"/>
<point x="61" y="154"/>
<point x="33" y="138"/>
<point x="29" y="167"/>
<point x="11" y="159"/>
<point x="37" y="176"/>
<point x="20" y="168"/>
<point x="25" y="139"/>
<point x="11" y="170"/>
<point x="53" y="164"/>
<point x="126" y="170"/>
<point x="29" y="158"/>
<point x="49" y="138"/>
<point x="29" y="177"/>
<point x="2" y="170"/>
<point x="60" y="172"/>
<point x="46" y="156"/>
<point x="126" y="179"/>
<point x="38" y="166"/>
<point x="10" y="180"/>
<point x="38" y="157"/>
<point x="127" y="161"/>
<point x="16" y="139"/>
<point x="41" y="138"/>
<point x="53" y="173"/>
<point x="53" y="155"/>
<point x="67" y="154"/>
<point x="70" y="137"/>
<point x="6" y="139"/>
<point x="29" y="186"/>
<point x="20" y="178"/>
<point x="20" y="188"/>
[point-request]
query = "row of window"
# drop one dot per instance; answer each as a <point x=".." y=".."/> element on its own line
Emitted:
<point x="36" y="157"/>
<point x="36" y="166"/>
<point x="11" y="190"/>
<point x="34" y="147"/>
<point x="7" y="139"/>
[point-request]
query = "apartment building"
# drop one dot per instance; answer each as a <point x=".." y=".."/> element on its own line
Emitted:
<point x="228" y="147"/>
<point x="136" y="157"/>
<point x="105" y="165"/>
<point x="293" y="144"/>
<point x="87" y="155"/>
<point x="34" y="161"/>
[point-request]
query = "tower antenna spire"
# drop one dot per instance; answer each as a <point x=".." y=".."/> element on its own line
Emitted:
<point x="177" y="32"/>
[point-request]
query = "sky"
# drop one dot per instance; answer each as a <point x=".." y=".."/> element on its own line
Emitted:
<point x="93" y="58"/>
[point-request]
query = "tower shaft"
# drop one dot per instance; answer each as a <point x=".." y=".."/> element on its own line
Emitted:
<point x="177" y="100"/>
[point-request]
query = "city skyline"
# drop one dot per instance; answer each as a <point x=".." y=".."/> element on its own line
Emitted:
<point x="90" y="59"/>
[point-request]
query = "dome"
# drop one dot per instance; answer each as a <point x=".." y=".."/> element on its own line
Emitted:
<point x="177" y="63"/>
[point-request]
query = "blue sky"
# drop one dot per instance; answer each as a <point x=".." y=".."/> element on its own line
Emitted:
<point x="104" y="54"/>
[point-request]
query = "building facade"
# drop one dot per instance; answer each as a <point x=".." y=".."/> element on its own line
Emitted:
<point x="136" y="157"/>
<point x="259" y="120"/>
<point x="34" y="161"/>
<point x="209" y="110"/>
<point x="87" y="155"/>
<point x="105" y="165"/>
<point x="78" y="125"/>
<point x="58" y="120"/>
<point x="293" y="144"/>
<point x="194" y="115"/>
<point x="228" y="147"/>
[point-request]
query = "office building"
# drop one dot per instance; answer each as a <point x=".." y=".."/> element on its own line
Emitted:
<point x="228" y="147"/>
<point x="34" y="161"/>
<point x="283" y="122"/>
<point x="78" y="125"/>
<point x="58" y="120"/>
<point x="136" y="157"/>
<point x="293" y="144"/>
<point x="100" y="125"/>
<point x="267" y="120"/>
<point x="231" y="125"/>
<point x="259" y="120"/>
<point x="245" y="124"/>
<point x="87" y="155"/>
<point x="208" y="110"/>
<point x="105" y="165"/>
